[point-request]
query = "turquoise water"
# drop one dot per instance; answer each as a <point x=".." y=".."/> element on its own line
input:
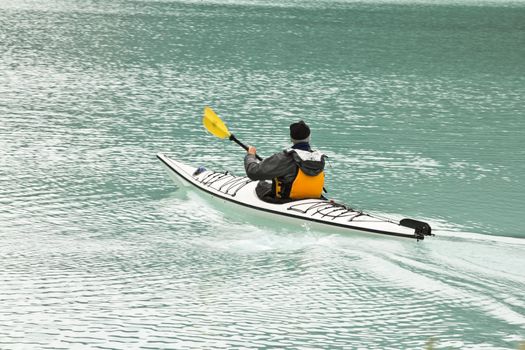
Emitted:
<point x="419" y="104"/>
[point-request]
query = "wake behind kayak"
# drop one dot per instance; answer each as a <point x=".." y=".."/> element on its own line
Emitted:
<point x="225" y="189"/>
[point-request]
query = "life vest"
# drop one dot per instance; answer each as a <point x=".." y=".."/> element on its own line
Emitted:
<point x="309" y="179"/>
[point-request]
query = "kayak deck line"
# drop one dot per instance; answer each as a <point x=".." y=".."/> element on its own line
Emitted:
<point x="232" y="182"/>
<point x="241" y="191"/>
<point x="331" y="209"/>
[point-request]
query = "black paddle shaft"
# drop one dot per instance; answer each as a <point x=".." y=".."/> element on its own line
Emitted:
<point x="234" y="139"/>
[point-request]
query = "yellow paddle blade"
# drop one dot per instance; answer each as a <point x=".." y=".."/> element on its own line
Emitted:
<point x="214" y="124"/>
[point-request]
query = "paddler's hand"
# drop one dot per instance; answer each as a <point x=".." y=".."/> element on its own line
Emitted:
<point x="252" y="150"/>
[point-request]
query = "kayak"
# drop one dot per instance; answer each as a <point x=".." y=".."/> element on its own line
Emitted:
<point x="237" y="193"/>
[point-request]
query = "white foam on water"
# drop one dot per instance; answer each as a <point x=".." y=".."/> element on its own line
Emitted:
<point x="480" y="237"/>
<point x="247" y="239"/>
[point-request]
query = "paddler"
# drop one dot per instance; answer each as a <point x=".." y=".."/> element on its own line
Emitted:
<point x="296" y="173"/>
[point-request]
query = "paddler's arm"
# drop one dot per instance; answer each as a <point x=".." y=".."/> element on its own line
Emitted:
<point x="267" y="169"/>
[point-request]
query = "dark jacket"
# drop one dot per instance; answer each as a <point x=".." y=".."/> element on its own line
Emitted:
<point x="280" y="165"/>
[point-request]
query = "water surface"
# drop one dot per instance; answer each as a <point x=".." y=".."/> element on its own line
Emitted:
<point x="418" y="104"/>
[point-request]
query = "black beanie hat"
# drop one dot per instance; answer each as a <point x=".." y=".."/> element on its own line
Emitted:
<point x="299" y="130"/>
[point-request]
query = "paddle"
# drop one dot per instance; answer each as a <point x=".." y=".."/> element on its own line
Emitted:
<point x="216" y="127"/>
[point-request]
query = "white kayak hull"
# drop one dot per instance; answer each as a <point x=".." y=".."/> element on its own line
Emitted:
<point x="237" y="195"/>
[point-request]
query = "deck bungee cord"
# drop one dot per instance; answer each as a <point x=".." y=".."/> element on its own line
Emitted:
<point x="231" y="186"/>
<point x="328" y="209"/>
